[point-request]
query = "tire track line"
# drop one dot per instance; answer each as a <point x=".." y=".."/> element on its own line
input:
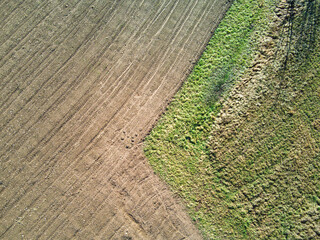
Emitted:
<point x="54" y="38"/>
<point x="3" y="17"/>
<point x="26" y="66"/>
<point x="147" y="84"/>
<point x="42" y="86"/>
<point x="101" y="131"/>
<point x="46" y="3"/>
<point x="151" y="99"/>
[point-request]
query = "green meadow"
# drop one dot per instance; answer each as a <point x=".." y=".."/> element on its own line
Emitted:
<point x="254" y="173"/>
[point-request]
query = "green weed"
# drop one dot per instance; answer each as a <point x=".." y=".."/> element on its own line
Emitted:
<point x="263" y="178"/>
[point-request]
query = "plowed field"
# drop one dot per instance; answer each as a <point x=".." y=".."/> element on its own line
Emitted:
<point x="82" y="83"/>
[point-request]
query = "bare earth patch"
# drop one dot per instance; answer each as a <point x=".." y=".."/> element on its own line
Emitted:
<point x="82" y="83"/>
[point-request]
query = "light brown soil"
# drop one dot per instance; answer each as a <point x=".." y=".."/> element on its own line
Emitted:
<point x="82" y="83"/>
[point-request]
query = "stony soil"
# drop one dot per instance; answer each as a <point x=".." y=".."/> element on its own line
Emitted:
<point x="82" y="83"/>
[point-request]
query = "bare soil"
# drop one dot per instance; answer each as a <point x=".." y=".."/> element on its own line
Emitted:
<point x="82" y="83"/>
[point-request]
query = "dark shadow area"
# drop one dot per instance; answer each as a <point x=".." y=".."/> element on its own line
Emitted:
<point x="301" y="29"/>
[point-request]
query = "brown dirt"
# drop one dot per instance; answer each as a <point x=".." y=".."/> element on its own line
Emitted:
<point x="82" y="83"/>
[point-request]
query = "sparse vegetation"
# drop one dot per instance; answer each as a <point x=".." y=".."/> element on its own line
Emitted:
<point x="240" y="143"/>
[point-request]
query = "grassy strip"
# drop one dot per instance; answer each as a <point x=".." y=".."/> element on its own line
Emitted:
<point x="267" y="162"/>
<point x="177" y="147"/>
<point x="268" y="165"/>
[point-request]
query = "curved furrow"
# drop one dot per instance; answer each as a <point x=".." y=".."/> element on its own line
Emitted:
<point x="20" y="17"/>
<point x="43" y="50"/>
<point x="169" y="67"/>
<point x="43" y="86"/>
<point x="7" y="9"/>
<point x="7" y="52"/>
<point x="103" y="201"/>
<point x="89" y="66"/>
<point x="65" y="40"/>
<point x="131" y="124"/>
<point x="72" y="162"/>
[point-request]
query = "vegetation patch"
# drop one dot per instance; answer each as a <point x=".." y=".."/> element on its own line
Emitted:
<point x="240" y="142"/>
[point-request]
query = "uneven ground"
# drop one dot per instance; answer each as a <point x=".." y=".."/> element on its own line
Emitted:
<point x="82" y="83"/>
<point x="265" y="142"/>
<point x="245" y="154"/>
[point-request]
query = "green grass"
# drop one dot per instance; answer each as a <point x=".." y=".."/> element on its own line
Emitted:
<point x="257" y="179"/>
<point x="271" y="163"/>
